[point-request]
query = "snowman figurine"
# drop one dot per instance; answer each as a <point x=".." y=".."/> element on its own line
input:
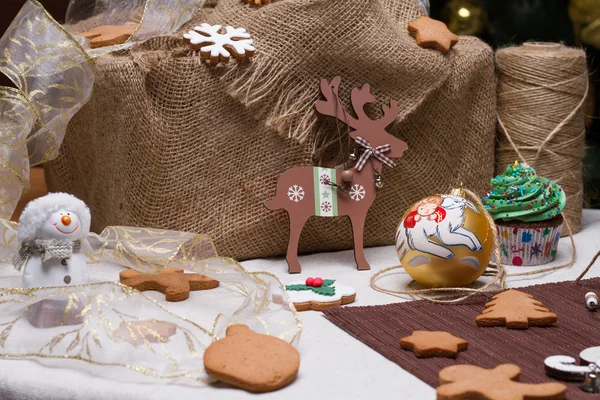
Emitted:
<point x="51" y="230"/>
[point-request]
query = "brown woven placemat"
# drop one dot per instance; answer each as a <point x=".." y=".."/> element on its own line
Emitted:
<point x="381" y="328"/>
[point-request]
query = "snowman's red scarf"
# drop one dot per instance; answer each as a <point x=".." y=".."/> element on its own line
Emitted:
<point x="49" y="249"/>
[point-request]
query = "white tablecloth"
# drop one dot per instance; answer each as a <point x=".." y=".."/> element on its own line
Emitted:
<point x="334" y="365"/>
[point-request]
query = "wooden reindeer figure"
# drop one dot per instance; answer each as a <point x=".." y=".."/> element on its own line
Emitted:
<point x="308" y="191"/>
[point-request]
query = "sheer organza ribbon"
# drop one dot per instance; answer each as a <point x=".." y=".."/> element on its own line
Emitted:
<point x="151" y="18"/>
<point x="106" y="324"/>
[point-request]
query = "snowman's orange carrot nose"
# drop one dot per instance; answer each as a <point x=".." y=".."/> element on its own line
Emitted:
<point x="66" y="220"/>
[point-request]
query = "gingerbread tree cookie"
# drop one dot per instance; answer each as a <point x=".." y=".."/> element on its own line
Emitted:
<point x="515" y="310"/>
<point x="252" y="361"/>
<point x="432" y="34"/>
<point x="172" y="282"/>
<point x="462" y="382"/>
<point x="433" y="344"/>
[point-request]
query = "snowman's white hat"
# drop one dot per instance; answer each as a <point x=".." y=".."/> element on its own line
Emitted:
<point x="37" y="212"/>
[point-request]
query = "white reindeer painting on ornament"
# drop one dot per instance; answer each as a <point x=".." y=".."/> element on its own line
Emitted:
<point x="440" y="217"/>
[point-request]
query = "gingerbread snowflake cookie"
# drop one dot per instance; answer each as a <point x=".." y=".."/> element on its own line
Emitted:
<point x="316" y="294"/>
<point x="218" y="46"/>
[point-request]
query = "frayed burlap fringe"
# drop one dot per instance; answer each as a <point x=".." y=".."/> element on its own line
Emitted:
<point x="292" y="115"/>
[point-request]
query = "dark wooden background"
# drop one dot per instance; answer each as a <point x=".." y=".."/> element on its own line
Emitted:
<point x="10" y="8"/>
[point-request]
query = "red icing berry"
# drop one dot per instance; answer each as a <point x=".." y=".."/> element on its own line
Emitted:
<point x="310" y="282"/>
<point x="318" y="282"/>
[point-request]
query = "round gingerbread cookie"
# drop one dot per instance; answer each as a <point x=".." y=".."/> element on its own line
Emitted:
<point x="252" y="361"/>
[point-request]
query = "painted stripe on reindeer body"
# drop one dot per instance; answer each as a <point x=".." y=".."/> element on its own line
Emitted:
<point x="326" y="204"/>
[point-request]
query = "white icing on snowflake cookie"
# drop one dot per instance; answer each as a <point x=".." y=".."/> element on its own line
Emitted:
<point x="218" y="46"/>
<point x="316" y="294"/>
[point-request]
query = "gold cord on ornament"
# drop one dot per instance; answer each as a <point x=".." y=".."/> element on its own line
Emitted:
<point x="496" y="270"/>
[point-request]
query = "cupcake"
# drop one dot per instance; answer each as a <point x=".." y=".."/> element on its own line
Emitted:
<point x="527" y="211"/>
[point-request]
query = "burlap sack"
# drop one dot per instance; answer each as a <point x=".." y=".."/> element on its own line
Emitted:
<point x="169" y="142"/>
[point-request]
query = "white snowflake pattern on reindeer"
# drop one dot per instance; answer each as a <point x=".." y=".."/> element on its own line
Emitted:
<point x="357" y="192"/>
<point x="296" y="193"/>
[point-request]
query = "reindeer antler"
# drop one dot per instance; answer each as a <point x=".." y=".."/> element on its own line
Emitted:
<point x="332" y="106"/>
<point x="360" y="97"/>
<point x="389" y="114"/>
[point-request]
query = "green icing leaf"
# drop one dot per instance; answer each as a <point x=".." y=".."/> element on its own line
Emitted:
<point x="298" y="287"/>
<point x="324" y="290"/>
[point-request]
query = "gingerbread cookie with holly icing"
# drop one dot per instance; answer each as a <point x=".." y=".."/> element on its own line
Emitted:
<point x="317" y="294"/>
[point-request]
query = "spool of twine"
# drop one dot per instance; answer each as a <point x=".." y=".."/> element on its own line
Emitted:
<point x="541" y="91"/>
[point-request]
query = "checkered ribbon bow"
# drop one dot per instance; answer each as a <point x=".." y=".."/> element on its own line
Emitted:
<point x="376" y="152"/>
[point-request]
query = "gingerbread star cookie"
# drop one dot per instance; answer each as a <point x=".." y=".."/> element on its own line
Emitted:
<point x="172" y="282"/>
<point x="515" y="310"/>
<point x="256" y="3"/>
<point x="462" y="382"/>
<point x="109" y="35"/>
<point x="433" y="344"/>
<point x="432" y="34"/>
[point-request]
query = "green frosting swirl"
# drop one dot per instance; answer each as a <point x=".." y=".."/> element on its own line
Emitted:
<point x="519" y="194"/>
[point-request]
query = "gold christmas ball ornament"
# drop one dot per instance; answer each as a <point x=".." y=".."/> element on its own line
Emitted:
<point x="444" y="241"/>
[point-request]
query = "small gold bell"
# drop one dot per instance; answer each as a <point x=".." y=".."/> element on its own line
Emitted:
<point x="354" y="155"/>
<point x="378" y="182"/>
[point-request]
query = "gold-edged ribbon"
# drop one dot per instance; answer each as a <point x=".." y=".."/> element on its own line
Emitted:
<point x="151" y="17"/>
<point x="106" y="324"/>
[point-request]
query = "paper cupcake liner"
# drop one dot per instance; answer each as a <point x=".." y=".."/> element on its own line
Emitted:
<point x="528" y="246"/>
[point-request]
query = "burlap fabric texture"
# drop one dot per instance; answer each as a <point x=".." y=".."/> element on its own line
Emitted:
<point x="169" y="142"/>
